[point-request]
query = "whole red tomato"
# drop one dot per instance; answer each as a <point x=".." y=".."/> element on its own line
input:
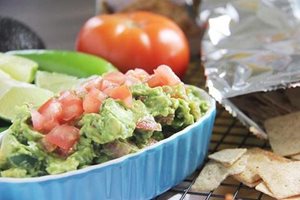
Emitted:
<point x="137" y="39"/>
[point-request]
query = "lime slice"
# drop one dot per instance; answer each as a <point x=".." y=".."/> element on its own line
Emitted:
<point x="19" y="68"/>
<point x="14" y="94"/>
<point x="55" y="82"/>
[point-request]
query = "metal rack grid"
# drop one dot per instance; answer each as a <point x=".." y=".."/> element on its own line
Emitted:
<point x="228" y="132"/>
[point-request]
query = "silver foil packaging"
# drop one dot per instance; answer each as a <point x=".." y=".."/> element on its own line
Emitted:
<point x="251" y="54"/>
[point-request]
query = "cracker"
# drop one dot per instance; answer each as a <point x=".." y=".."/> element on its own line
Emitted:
<point x="239" y="166"/>
<point x="214" y="173"/>
<point x="284" y="134"/>
<point x="256" y="157"/>
<point x="248" y="177"/>
<point x="262" y="187"/>
<point x="227" y="156"/>
<point x="210" y="177"/>
<point x="282" y="179"/>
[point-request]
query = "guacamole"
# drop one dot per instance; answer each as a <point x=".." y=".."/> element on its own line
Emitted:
<point x="117" y="128"/>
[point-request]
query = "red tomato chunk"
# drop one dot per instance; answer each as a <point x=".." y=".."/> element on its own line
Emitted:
<point x="63" y="136"/>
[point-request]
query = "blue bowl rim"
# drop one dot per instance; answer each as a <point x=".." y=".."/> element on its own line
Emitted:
<point x="205" y="96"/>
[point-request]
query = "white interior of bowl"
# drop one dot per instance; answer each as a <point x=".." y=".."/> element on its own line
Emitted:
<point x="204" y="96"/>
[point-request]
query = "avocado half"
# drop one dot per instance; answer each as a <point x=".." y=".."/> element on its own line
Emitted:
<point x="15" y="35"/>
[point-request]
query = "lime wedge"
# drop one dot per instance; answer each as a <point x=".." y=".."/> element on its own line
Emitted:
<point x="19" y="68"/>
<point x="67" y="62"/>
<point x="14" y="94"/>
<point x="55" y="82"/>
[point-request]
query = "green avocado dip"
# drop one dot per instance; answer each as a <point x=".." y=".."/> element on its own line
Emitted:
<point x="122" y="124"/>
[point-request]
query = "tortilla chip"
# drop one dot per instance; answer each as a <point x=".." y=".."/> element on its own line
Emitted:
<point x="248" y="177"/>
<point x="214" y="173"/>
<point x="256" y="157"/>
<point x="227" y="156"/>
<point x="264" y="189"/>
<point x="210" y="177"/>
<point x="284" y="134"/>
<point x="282" y="179"/>
<point x="239" y="166"/>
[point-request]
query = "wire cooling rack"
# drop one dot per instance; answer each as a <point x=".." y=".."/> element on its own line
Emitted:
<point x="228" y="132"/>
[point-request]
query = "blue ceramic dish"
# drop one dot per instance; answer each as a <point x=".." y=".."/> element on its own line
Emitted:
<point x="142" y="175"/>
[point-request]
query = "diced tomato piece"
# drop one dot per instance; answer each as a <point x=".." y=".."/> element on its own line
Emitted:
<point x="92" y="83"/>
<point x="72" y="111"/>
<point x="130" y="80"/>
<point x="51" y="109"/>
<point x="37" y="120"/>
<point x="107" y="91"/>
<point x="136" y="76"/>
<point x="47" y="116"/>
<point x="42" y="124"/>
<point x="93" y="100"/>
<point x="166" y="74"/>
<point x="122" y="93"/>
<point x="49" y="124"/>
<point x="111" y="80"/>
<point x="163" y="75"/>
<point x="115" y="77"/>
<point x="71" y="106"/>
<point x="138" y="73"/>
<point x="106" y="84"/>
<point x="64" y="136"/>
<point x="155" y="81"/>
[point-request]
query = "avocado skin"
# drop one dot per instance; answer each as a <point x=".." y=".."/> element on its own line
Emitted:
<point x="15" y="35"/>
